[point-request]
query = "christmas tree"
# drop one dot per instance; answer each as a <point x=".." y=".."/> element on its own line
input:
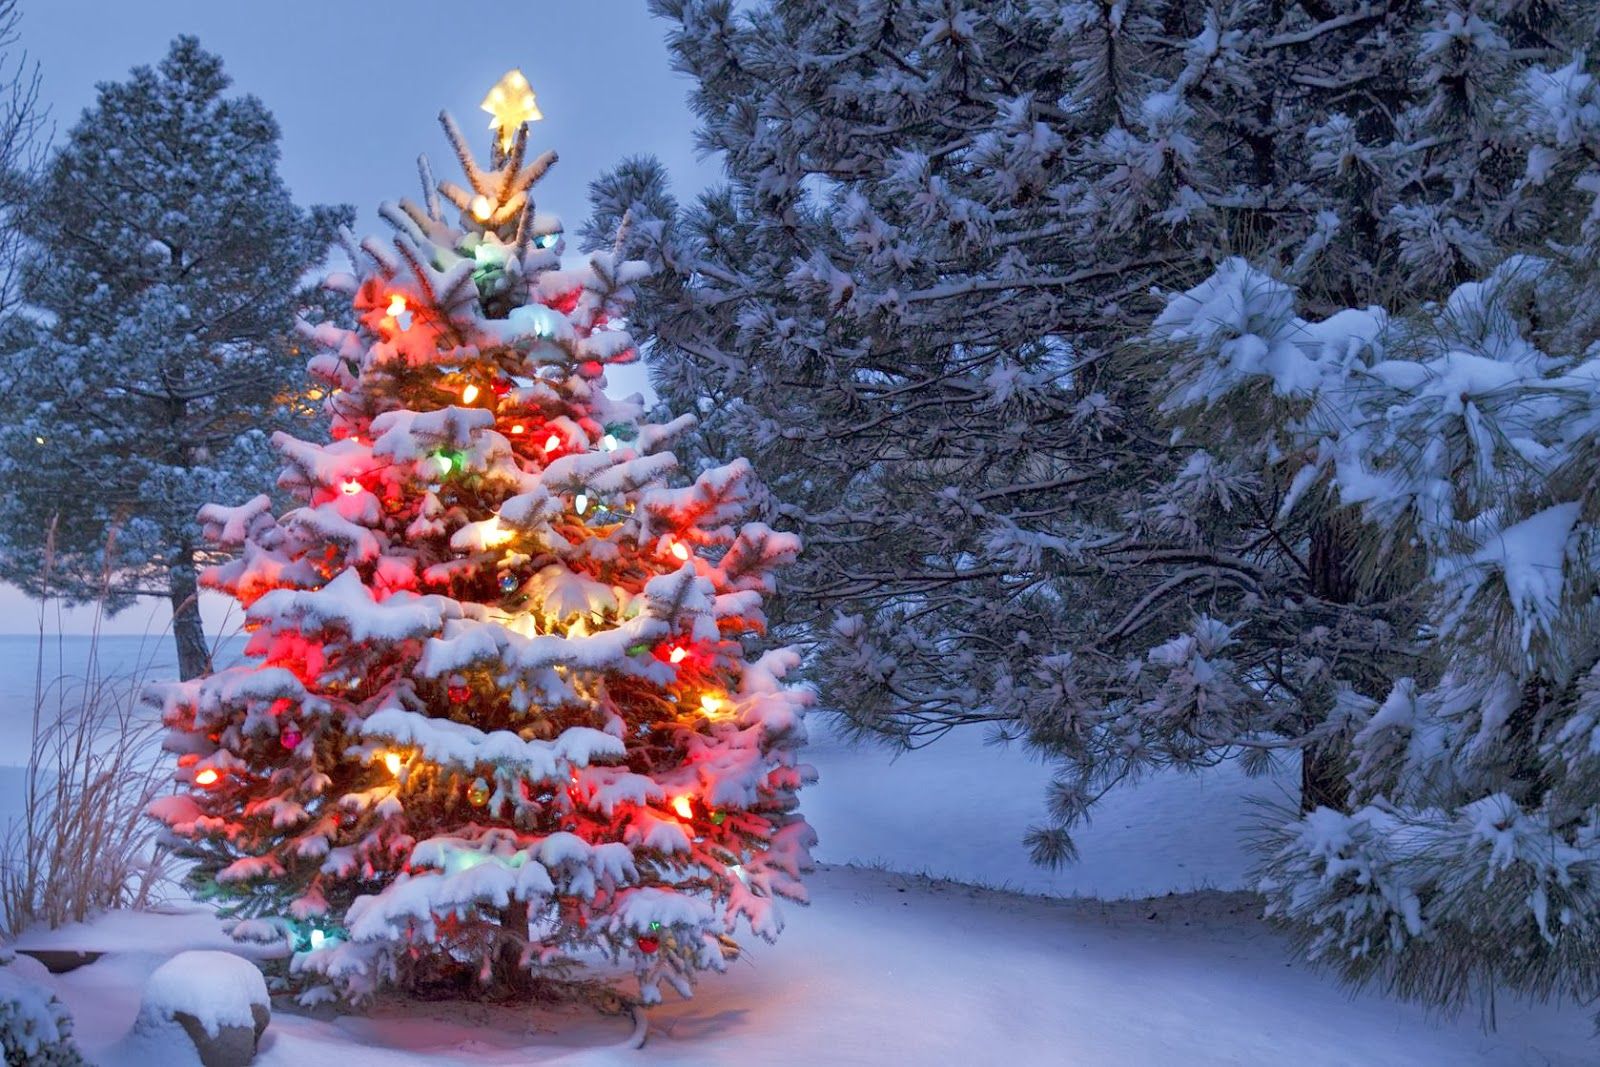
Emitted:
<point x="496" y="723"/>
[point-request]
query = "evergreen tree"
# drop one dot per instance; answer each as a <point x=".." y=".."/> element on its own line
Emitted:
<point x="499" y="719"/>
<point x="163" y="283"/>
<point x="914" y="301"/>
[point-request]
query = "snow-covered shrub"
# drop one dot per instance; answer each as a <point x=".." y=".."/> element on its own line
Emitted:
<point x="35" y="1027"/>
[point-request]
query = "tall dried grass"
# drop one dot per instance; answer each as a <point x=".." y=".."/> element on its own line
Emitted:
<point x="81" y="842"/>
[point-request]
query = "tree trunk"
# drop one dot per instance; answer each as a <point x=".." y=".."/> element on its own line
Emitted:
<point x="508" y="968"/>
<point x="194" y="657"/>
<point x="1322" y="767"/>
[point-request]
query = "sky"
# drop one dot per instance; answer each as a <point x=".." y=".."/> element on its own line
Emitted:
<point x="357" y="89"/>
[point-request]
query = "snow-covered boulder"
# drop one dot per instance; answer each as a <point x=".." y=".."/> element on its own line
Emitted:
<point x="35" y="1027"/>
<point x="216" y="998"/>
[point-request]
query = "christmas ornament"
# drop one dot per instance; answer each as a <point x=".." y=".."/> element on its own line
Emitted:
<point x="648" y="945"/>
<point x="440" y="465"/>
<point x="458" y="692"/>
<point x="718" y="818"/>
<point x="478" y="793"/>
<point x="509" y="583"/>
<point x="289" y="736"/>
<point x="512" y="104"/>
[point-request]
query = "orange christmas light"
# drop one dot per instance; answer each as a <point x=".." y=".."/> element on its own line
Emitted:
<point x="397" y="305"/>
<point x="207" y="777"/>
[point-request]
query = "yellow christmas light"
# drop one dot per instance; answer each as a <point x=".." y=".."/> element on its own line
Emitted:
<point x="682" y="806"/>
<point x="711" y="704"/>
<point x="482" y="208"/>
<point x="681" y="550"/>
<point x="494" y="535"/>
<point x="512" y="104"/>
<point x="397" y="305"/>
<point x="393" y="761"/>
<point x="469" y="394"/>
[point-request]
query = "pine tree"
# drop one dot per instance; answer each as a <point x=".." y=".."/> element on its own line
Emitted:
<point x="499" y="720"/>
<point x="166" y="255"/>
<point x="1458" y="442"/>
<point x="917" y="304"/>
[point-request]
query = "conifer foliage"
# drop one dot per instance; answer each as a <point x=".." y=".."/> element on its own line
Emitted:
<point x="162" y="280"/>
<point x="497" y="722"/>
<point x="918" y="303"/>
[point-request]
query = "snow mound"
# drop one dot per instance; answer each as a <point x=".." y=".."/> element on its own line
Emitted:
<point x="218" y="988"/>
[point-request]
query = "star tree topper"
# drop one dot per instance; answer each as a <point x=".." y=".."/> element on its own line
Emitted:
<point x="512" y="104"/>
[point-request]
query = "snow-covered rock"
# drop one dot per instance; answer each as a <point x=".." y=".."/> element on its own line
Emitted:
<point x="216" y="999"/>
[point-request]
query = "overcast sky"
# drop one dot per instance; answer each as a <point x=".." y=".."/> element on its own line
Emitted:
<point x="357" y="87"/>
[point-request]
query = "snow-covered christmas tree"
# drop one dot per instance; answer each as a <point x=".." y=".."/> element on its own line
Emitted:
<point x="497" y="722"/>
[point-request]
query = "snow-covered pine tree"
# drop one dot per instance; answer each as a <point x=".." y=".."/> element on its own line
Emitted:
<point x="499" y="721"/>
<point x="912" y="300"/>
<point x="163" y="282"/>
<point x="1459" y="443"/>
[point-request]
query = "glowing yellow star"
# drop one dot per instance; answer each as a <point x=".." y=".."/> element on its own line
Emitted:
<point x="511" y="103"/>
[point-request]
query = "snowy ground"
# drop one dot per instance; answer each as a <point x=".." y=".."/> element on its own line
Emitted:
<point x="890" y="969"/>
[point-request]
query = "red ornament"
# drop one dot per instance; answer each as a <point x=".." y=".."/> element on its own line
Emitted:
<point x="648" y="945"/>
<point x="500" y="386"/>
<point x="290" y="736"/>
<point x="459" y="694"/>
